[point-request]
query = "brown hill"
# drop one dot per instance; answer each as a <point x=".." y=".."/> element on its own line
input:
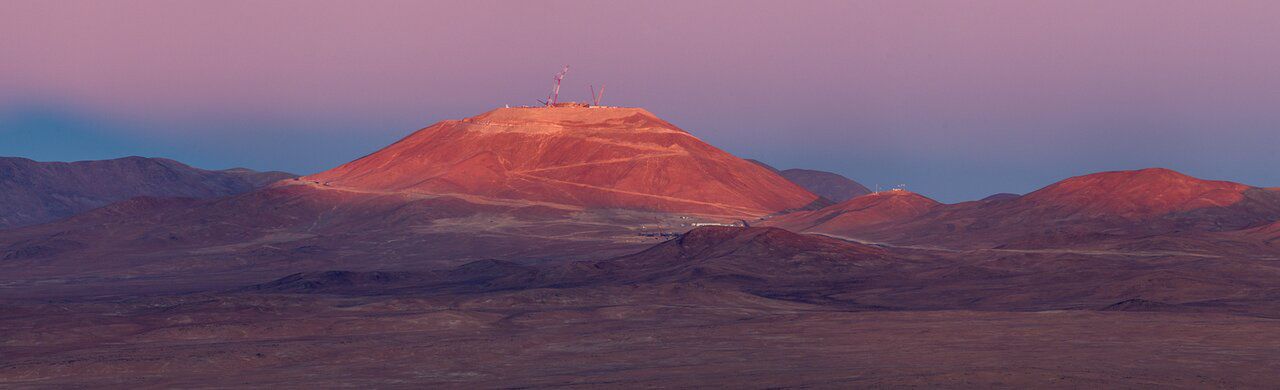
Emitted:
<point x="1003" y="196"/>
<point x="744" y="306"/>
<point x="752" y="256"/>
<point x="300" y="228"/>
<point x="828" y="185"/>
<point x="34" y="192"/>
<point x="778" y="264"/>
<point x="1269" y="233"/>
<point x="585" y="157"/>
<point x="832" y="186"/>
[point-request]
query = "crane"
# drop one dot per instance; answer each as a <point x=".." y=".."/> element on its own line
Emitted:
<point x="555" y="91"/>
<point x="595" y="99"/>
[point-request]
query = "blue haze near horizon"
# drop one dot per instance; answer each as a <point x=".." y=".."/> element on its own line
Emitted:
<point x="957" y="100"/>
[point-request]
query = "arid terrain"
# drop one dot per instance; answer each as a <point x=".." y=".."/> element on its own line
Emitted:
<point x="36" y="192"/>
<point x="604" y="247"/>
<point x="738" y="307"/>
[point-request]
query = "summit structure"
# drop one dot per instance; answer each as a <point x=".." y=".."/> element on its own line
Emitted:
<point x="585" y="157"/>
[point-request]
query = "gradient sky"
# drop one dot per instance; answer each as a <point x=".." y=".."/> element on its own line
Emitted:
<point x="956" y="99"/>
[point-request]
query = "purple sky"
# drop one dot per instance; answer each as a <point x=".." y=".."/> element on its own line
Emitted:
<point x="956" y="99"/>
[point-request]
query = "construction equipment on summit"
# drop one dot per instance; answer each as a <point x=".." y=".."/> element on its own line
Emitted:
<point x="553" y="99"/>
<point x="595" y="99"/>
<point x="555" y="90"/>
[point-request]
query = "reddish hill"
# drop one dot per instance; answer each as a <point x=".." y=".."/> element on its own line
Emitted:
<point x="1092" y="208"/>
<point x="34" y="192"/>
<point x="521" y="184"/>
<point x="587" y="157"/>
<point x="1269" y="233"/>
<point x="1151" y="209"/>
<point x="1148" y="201"/>
<point x="1136" y="194"/>
<point x="853" y="215"/>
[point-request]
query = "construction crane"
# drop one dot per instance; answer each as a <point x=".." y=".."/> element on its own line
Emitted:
<point x="555" y="91"/>
<point x="595" y="99"/>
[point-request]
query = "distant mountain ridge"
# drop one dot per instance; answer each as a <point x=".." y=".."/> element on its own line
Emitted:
<point x="1093" y="208"/>
<point x="33" y="192"/>
<point x="833" y="186"/>
<point x="829" y="185"/>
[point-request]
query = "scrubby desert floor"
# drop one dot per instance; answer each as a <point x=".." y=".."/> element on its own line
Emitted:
<point x="553" y="339"/>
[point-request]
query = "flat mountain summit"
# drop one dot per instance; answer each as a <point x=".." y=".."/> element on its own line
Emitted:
<point x="596" y="157"/>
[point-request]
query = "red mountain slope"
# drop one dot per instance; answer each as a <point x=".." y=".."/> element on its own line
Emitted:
<point x="857" y="213"/>
<point x="1093" y="208"/>
<point x="1267" y="233"/>
<point x="1108" y="209"/>
<point x="1135" y="194"/>
<point x="587" y="157"/>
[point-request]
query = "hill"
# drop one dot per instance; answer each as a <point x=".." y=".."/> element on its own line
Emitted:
<point x="858" y="213"/>
<point x="828" y="185"/>
<point x="585" y="157"/>
<point x="1122" y="208"/>
<point x="35" y="192"/>
<point x="832" y="186"/>
<point x="525" y="185"/>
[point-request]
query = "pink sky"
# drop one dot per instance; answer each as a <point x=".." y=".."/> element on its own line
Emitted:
<point x="957" y="98"/>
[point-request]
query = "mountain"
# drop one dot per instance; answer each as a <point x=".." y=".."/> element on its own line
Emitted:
<point x="1147" y="201"/>
<point x="283" y="229"/>
<point x="35" y="192"/>
<point x="1000" y="197"/>
<point x="1138" y="195"/>
<point x="828" y="185"/>
<point x="524" y="185"/>
<point x="258" y="179"/>
<point x="766" y="166"/>
<point x="832" y="186"/>
<point x="1108" y="207"/>
<point x="858" y="213"/>
<point x="576" y="156"/>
